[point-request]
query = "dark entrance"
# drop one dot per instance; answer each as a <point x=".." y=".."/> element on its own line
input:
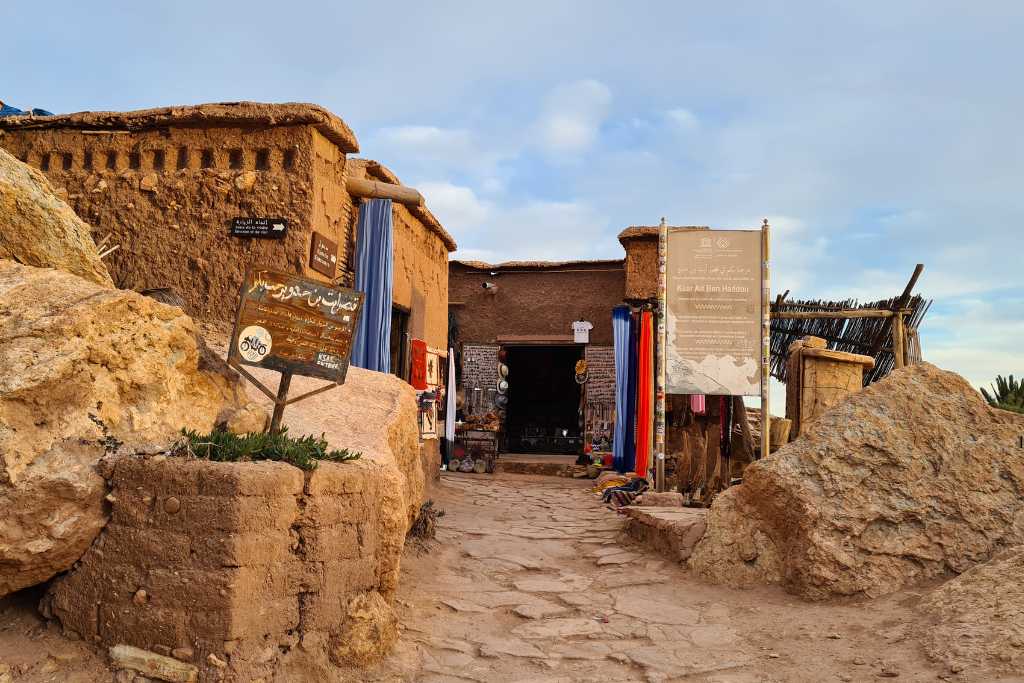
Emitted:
<point x="544" y="400"/>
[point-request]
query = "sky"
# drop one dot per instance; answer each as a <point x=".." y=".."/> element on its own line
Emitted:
<point x="872" y="135"/>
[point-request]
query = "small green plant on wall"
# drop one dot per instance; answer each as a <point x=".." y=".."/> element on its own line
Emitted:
<point x="304" y="452"/>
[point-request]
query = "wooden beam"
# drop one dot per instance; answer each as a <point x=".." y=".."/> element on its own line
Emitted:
<point x="814" y="315"/>
<point x="897" y="341"/>
<point x="886" y="330"/>
<point x="374" y="189"/>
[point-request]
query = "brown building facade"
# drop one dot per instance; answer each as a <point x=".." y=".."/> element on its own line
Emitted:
<point x="164" y="186"/>
<point x="521" y="315"/>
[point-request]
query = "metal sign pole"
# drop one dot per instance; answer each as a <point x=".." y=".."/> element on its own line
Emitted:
<point x="766" y="336"/>
<point x="659" y="407"/>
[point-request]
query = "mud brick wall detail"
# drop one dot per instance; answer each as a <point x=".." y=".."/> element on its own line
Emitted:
<point x="236" y="560"/>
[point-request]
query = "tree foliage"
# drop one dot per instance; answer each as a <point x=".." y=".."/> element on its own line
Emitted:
<point x="1007" y="393"/>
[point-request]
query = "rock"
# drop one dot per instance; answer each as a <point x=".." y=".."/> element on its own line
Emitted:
<point x="38" y="229"/>
<point x="540" y="609"/>
<point x="249" y="419"/>
<point x="666" y="499"/>
<point x="141" y="597"/>
<point x="463" y="605"/>
<point x="513" y="647"/>
<point x="617" y="558"/>
<point x="152" y="664"/>
<point x="216" y="661"/>
<point x="368" y="633"/>
<point x="149" y="182"/>
<point x="555" y="629"/>
<point x="646" y="604"/>
<point x="87" y="368"/>
<point x="908" y="480"/>
<point x="172" y="505"/>
<point x="245" y="180"/>
<point x="979" y="616"/>
<point x="569" y="583"/>
<point x="185" y="654"/>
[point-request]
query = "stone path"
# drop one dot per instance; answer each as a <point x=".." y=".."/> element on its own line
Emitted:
<point x="531" y="581"/>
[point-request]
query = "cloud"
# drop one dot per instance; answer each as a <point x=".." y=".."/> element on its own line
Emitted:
<point x="425" y="150"/>
<point x="683" y="119"/>
<point x="572" y="116"/>
<point x="458" y="208"/>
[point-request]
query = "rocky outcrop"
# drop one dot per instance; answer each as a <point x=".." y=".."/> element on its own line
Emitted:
<point x="38" y="229"/>
<point x="913" y="478"/>
<point x="978" y="619"/>
<point x="86" y="370"/>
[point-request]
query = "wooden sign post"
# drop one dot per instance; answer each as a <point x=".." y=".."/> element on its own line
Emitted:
<point x="296" y="327"/>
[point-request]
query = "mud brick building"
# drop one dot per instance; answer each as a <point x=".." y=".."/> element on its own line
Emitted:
<point x="525" y="311"/>
<point x="164" y="186"/>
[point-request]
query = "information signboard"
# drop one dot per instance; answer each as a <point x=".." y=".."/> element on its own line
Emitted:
<point x="265" y="228"/>
<point x="295" y="326"/>
<point x="713" y="312"/>
<point x="323" y="255"/>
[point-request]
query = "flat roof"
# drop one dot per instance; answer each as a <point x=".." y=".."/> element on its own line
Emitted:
<point x="643" y="231"/>
<point x="198" y="115"/>
<point x="537" y="265"/>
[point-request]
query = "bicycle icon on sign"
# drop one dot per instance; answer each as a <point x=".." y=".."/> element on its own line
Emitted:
<point x="253" y="344"/>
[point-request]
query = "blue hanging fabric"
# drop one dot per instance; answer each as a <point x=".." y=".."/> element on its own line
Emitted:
<point x="620" y="332"/>
<point x="629" y="452"/>
<point x="371" y="348"/>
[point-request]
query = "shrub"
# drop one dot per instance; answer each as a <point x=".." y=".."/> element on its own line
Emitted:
<point x="1007" y="393"/>
<point x="221" y="446"/>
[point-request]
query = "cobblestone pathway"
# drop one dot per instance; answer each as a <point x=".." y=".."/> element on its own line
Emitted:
<point x="530" y="582"/>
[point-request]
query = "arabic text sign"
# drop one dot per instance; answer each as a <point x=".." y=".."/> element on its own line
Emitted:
<point x="267" y="228"/>
<point x="713" y="323"/>
<point x="291" y="324"/>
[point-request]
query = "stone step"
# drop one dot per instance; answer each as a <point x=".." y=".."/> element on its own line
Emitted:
<point x="672" y="531"/>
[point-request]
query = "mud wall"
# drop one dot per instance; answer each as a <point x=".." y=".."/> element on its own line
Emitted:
<point x="230" y="566"/>
<point x="641" y="268"/>
<point x="167" y="197"/>
<point x="535" y="303"/>
<point x="421" y="278"/>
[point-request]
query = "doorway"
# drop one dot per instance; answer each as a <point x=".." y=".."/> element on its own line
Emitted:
<point x="543" y="414"/>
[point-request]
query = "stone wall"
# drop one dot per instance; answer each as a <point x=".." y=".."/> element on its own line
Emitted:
<point x="230" y="566"/>
<point x="536" y="303"/>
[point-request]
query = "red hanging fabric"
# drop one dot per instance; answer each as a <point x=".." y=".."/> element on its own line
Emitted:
<point x="644" y="397"/>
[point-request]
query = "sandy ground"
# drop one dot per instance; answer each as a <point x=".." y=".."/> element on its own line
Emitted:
<point x="528" y="581"/>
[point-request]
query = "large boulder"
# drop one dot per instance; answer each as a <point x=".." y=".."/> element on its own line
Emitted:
<point x="38" y="229"/>
<point x="977" y="619"/>
<point x="913" y="478"/>
<point x="86" y="369"/>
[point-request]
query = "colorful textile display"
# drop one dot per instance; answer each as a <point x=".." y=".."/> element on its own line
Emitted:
<point x="620" y="331"/>
<point x="629" y="459"/>
<point x="644" y="397"/>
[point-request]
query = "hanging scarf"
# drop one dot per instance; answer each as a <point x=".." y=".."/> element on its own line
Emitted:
<point x="645" y="380"/>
